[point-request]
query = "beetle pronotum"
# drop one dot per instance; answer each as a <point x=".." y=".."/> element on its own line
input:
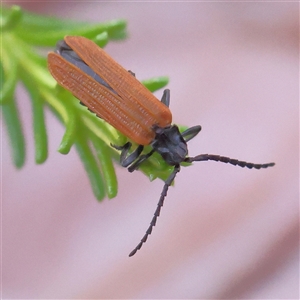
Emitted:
<point x="116" y="96"/>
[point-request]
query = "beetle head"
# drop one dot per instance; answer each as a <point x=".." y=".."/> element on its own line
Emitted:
<point x="170" y="144"/>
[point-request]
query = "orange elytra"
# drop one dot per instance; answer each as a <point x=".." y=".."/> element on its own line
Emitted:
<point x="132" y="110"/>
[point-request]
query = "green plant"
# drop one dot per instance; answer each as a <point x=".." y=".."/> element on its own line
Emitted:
<point x="22" y="35"/>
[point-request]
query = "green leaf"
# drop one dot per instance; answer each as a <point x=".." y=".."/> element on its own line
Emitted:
<point x="155" y="83"/>
<point x="90" y="165"/>
<point x="12" y="18"/>
<point x="47" y="31"/>
<point x="39" y="126"/>
<point x="106" y="164"/>
<point x="101" y="39"/>
<point x="9" y="77"/>
<point x="15" y="132"/>
<point x="69" y="136"/>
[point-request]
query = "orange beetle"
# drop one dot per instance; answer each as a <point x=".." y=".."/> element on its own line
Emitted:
<point x="116" y="96"/>
<point x="133" y="117"/>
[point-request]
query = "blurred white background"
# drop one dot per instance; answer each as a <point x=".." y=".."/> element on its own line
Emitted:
<point x="224" y="232"/>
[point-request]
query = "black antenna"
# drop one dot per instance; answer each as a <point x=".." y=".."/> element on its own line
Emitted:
<point x="224" y="159"/>
<point x="160" y="204"/>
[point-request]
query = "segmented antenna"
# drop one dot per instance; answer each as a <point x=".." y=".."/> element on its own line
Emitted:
<point x="168" y="182"/>
<point x="160" y="204"/>
<point x="224" y="159"/>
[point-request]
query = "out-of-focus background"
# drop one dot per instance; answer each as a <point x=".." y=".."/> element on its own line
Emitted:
<point x="224" y="231"/>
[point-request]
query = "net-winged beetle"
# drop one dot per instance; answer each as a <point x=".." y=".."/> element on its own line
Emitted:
<point x="115" y="95"/>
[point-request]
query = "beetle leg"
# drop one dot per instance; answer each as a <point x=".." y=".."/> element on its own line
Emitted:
<point x="125" y="147"/>
<point x="160" y="203"/>
<point x="165" y="99"/>
<point x="235" y="162"/>
<point x="125" y="162"/>
<point x="133" y="74"/>
<point x="128" y="160"/>
<point x="141" y="159"/>
<point x="190" y="133"/>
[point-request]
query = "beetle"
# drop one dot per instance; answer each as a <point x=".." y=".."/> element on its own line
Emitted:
<point x="116" y="96"/>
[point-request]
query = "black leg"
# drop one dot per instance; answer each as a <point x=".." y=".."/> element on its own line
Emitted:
<point x="190" y="133"/>
<point x="235" y="162"/>
<point x="132" y="157"/>
<point x="125" y="148"/>
<point x="165" y="99"/>
<point x="160" y="203"/>
<point x="141" y="159"/>
<point x="128" y="160"/>
<point x="133" y="74"/>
